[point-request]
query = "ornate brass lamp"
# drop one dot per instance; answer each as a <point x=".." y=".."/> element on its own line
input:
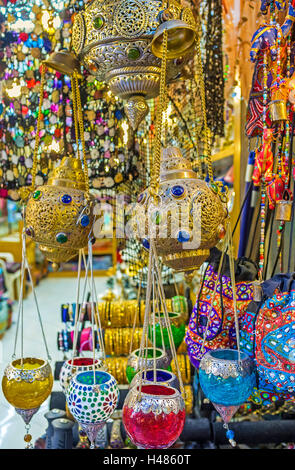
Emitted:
<point x="189" y="216"/>
<point x="120" y="43"/>
<point x="59" y="215"/>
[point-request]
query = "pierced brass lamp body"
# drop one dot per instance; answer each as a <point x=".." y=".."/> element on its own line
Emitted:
<point x="113" y="40"/>
<point x="58" y="216"/>
<point x="189" y="217"/>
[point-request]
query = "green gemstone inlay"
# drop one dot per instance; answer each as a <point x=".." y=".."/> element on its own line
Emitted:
<point x="98" y="22"/>
<point x="37" y="194"/>
<point x="61" y="238"/>
<point x="133" y="53"/>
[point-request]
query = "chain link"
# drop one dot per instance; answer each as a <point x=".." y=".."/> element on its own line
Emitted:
<point x="78" y="116"/>
<point x="37" y="139"/>
<point x="200" y="77"/>
<point x="74" y="97"/>
<point x="154" y="186"/>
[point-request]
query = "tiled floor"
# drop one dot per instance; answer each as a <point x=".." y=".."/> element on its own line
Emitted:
<point x="51" y="293"/>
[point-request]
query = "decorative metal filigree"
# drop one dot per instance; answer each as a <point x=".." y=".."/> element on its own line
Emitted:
<point x="199" y="203"/>
<point x="78" y="35"/>
<point x="226" y="367"/>
<point x="26" y="375"/>
<point x="162" y="361"/>
<point x="157" y="404"/>
<point x="112" y="56"/>
<point x="130" y="18"/>
<point x="58" y="227"/>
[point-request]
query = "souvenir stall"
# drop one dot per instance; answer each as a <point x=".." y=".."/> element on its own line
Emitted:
<point x="153" y="184"/>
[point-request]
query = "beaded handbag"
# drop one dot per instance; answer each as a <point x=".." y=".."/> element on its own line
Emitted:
<point x="268" y="336"/>
<point x="220" y="333"/>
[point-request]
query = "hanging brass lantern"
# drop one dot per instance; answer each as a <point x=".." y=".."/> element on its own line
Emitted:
<point x="189" y="217"/>
<point x="59" y="215"/>
<point x="114" y="42"/>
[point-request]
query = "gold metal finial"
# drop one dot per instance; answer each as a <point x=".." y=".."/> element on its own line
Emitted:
<point x="136" y="109"/>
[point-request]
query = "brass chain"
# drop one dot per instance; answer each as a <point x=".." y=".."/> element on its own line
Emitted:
<point x="79" y="117"/>
<point x="207" y="146"/>
<point x="37" y="139"/>
<point x="74" y="97"/>
<point x="154" y="186"/>
<point x="194" y="133"/>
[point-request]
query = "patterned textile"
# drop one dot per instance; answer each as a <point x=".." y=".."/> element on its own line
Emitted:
<point x="221" y="330"/>
<point x="268" y="336"/>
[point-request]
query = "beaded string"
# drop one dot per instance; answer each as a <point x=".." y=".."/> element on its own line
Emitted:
<point x="263" y="191"/>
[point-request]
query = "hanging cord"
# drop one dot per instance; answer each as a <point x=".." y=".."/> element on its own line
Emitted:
<point x="96" y="316"/>
<point x="225" y="247"/>
<point x="80" y="311"/>
<point x="154" y="327"/>
<point x="233" y="283"/>
<point x="145" y="322"/>
<point x="278" y="253"/>
<point x="20" y="312"/>
<point x="269" y="244"/>
<point x="158" y="304"/>
<point x="154" y="184"/>
<point x="243" y="205"/>
<point x="25" y="265"/>
<point x="164" y="306"/>
<point x="136" y="314"/>
<point x="175" y="284"/>
<point x="92" y="307"/>
<point x="77" y="308"/>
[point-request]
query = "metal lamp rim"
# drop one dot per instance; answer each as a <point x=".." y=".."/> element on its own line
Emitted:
<point x="167" y="25"/>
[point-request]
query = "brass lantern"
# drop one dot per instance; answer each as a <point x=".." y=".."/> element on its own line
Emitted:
<point x="189" y="217"/>
<point x="113" y="39"/>
<point x="59" y="215"/>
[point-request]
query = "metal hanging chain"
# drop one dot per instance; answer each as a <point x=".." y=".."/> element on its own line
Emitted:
<point x="81" y="129"/>
<point x="75" y="113"/>
<point x="24" y="192"/>
<point x="154" y="185"/>
<point x="207" y="146"/>
<point x="20" y="321"/>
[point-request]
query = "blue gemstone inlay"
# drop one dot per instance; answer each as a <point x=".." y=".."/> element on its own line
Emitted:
<point x="183" y="236"/>
<point x="140" y="197"/>
<point x="84" y="221"/>
<point x="66" y="199"/>
<point x="146" y="244"/>
<point x="177" y="191"/>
